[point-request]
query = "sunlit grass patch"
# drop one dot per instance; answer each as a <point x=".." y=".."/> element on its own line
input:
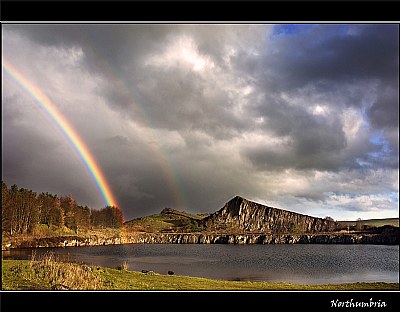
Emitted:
<point x="49" y="274"/>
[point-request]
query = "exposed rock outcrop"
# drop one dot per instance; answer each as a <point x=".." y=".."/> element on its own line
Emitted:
<point x="214" y="238"/>
<point x="240" y="214"/>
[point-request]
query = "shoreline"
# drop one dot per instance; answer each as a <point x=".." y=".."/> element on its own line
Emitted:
<point x="15" y="277"/>
<point x="198" y="238"/>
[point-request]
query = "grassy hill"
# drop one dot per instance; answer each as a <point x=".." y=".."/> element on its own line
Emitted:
<point x="168" y="220"/>
<point x="371" y="222"/>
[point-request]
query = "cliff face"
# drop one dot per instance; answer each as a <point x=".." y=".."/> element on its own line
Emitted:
<point x="242" y="215"/>
<point x="203" y="238"/>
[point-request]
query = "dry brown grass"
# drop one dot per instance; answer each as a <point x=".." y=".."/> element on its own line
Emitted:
<point x="62" y="276"/>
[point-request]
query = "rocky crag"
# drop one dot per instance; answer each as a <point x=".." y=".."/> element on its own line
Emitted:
<point x="210" y="238"/>
<point x="242" y="215"/>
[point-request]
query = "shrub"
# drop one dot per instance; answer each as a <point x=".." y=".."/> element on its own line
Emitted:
<point x="294" y="228"/>
<point x="123" y="266"/>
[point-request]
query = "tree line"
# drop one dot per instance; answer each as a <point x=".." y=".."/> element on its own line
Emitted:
<point x="23" y="210"/>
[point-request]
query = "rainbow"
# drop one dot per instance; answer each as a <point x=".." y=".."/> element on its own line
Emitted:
<point x="72" y="137"/>
<point x="167" y="170"/>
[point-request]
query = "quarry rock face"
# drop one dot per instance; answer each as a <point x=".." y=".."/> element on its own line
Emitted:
<point x="240" y="214"/>
<point x="210" y="238"/>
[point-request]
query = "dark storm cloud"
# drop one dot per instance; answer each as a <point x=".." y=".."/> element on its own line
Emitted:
<point x="22" y="147"/>
<point x="310" y="141"/>
<point x="341" y="67"/>
<point x="322" y="53"/>
<point x="384" y="112"/>
<point x="173" y="96"/>
<point x="115" y="44"/>
<point x="183" y="101"/>
<point x="315" y="143"/>
<point x="177" y="97"/>
<point x="120" y="45"/>
<point x="31" y="160"/>
<point x="206" y="112"/>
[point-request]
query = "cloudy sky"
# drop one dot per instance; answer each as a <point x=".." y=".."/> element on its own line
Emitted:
<point x="299" y="117"/>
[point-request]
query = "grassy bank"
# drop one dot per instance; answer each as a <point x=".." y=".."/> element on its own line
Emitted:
<point x="49" y="274"/>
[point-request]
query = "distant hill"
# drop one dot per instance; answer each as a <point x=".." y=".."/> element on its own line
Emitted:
<point x="371" y="222"/>
<point x="168" y="220"/>
<point x="242" y="215"/>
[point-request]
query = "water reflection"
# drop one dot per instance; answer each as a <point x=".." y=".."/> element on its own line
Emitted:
<point x="311" y="264"/>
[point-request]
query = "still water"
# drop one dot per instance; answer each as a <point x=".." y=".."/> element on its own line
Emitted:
<point x="300" y="263"/>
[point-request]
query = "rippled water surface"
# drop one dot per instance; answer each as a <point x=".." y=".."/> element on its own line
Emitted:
<point x="301" y="263"/>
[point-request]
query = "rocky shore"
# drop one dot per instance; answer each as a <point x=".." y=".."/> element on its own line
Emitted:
<point x="208" y="238"/>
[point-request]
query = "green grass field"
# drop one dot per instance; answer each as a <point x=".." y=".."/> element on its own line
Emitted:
<point x="372" y="222"/>
<point x="167" y="220"/>
<point x="47" y="274"/>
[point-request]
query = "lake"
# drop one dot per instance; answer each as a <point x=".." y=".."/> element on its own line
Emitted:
<point x="299" y="263"/>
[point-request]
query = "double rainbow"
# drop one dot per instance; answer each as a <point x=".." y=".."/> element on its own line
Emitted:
<point x="70" y="134"/>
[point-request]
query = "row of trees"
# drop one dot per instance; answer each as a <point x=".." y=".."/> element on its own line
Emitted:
<point x="336" y="226"/>
<point x="23" y="210"/>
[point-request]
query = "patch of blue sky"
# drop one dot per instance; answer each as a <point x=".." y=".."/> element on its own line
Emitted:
<point x="290" y="29"/>
<point x="379" y="140"/>
<point x="287" y="29"/>
<point x="395" y="198"/>
<point x="376" y="138"/>
<point x="295" y="29"/>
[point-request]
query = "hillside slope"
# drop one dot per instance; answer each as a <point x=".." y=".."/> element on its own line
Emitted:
<point x="168" y="220"/>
